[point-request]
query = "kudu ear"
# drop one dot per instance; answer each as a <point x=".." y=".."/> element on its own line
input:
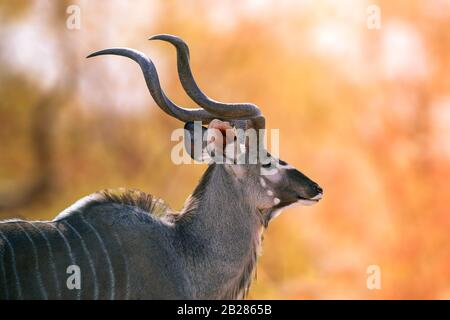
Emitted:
<point x="194" y="143"/>
<point x="212" y="144"/>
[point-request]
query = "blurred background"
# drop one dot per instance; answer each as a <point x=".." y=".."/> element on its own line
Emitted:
<point x="364" y="112"/>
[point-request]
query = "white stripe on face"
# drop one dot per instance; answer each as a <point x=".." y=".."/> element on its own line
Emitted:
<point x="262" y="182"/>
<point x="272" y="174"/>
<point x="275" y="171"/>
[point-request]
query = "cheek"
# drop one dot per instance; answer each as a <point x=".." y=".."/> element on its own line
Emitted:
<point x="268" y="197"/>
<point x="267" y="202"/>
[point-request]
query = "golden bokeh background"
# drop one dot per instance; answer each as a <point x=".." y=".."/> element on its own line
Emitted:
<point x="364" y="112"/>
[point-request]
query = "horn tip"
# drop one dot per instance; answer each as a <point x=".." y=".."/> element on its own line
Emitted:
<point x="166" y="37"/>
<point x="155" y="37"/>
<point x="160" y="36"/>
<point x="94" y="54"/>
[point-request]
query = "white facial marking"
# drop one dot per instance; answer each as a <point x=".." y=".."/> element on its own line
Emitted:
<point x="262" y="181"/>
<point x="303" y="202"/>
<point x="274" y="176"/>
<point x="276" y="201"/>
<point x="318" y="197"/>
<point x="269" y="193"/>
<point x="275" y="214"/>
<point x="269" y="171"/>
<point x="306" y="202"/>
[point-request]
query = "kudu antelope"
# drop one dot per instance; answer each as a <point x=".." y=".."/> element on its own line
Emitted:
<point x="129" y="245"/>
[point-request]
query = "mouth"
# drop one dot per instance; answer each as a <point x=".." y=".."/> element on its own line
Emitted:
<point x="300" y="200"/>
<point x="309" y="201"/>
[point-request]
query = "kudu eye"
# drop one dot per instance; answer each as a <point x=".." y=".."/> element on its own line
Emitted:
<point x="266" y="165"/>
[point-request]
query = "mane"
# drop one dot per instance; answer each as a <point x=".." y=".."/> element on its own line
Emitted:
<point x="135" y="198"/>
<point x="146" y="203"/>
<point x="154" y="206"/>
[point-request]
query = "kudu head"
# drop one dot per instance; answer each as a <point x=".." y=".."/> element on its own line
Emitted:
<point x="271" y="183"/>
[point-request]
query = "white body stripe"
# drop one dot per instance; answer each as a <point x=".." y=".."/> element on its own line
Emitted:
<point x="52" y="258"/>
<point x="2" y="267"/>
<point x="69" y="250"/>
<point x="36" y="263"/>
<point x="125" y="261"/>
<point x="13" y="259"/>
<point x="88" y="255"/>
<point x="108" y="260"/>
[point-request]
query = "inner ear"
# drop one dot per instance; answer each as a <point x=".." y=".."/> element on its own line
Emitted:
<point x="220" y="125"/>
<point x="221" y="141"/>
<point x="217" y="143"/>
<point x="193" y="140"/>
<point x="221" y="130"/>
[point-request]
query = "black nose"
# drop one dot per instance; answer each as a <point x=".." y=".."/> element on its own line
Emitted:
<point x="318" y="189"/>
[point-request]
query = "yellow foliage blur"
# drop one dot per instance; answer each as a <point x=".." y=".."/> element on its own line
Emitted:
<point x="363" y="111"/>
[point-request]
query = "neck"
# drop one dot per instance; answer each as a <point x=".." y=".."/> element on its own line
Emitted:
<point x="221" y="235"/>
